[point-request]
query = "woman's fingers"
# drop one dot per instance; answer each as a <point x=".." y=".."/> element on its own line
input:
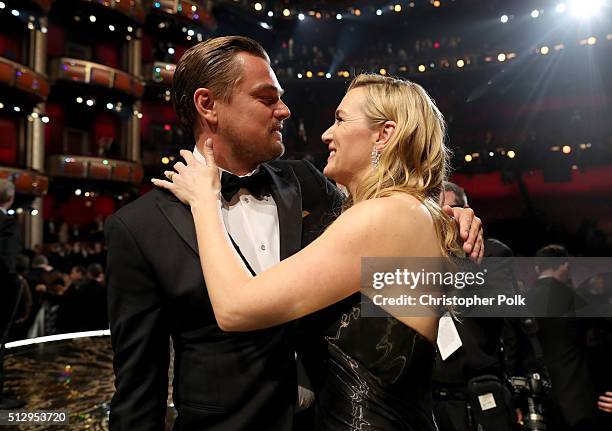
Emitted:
<point x="208" y="153"/>
<point x="188" y="156"/>
<point x="163" y="184"/>
<point x="169" y="174"/>
<point x="179" y="167"/>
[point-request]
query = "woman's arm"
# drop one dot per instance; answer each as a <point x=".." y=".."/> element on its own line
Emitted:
<point x="322" y="274"/>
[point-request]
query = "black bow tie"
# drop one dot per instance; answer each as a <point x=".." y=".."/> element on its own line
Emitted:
<point x="255" y="184"/>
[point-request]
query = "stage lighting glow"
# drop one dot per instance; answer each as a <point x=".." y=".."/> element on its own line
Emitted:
<point x="560" y="8"/>
<point x="109" y="105"/>
<point x="129" y="28"/>
<point x="90" y="102"/>
<point x="79" y="100"/>
<point x="544" y="50"/>
<point x="511" y="154"/>
<point x="16" y="109"/>
<point x="566" y="149"/>
<point x="535" y="13"/>
<point x="504" y="19"/>
<point x="338" y="16"/>
<point x="111" y="27"/>
<point x="45" y="119"/>
<point x="422" y="68"/>
<point x="286" y="12"/>
<point x="318" y="15"/>
<point x="194" y="8"/>
<point x="15" y="12"/>
<point x="328" y="75"/>
<point x="308" y="74"/>
<point x="2" y="5"/>
<point x="491" y="153"/>
<point x="357" y="12"/>
<point x="170" y="50"/>
<point x="592" y="40"/>
<point x="299" y="75"/>
<point x="258" y="6"/>
<point x="437" y="3"/>
<point x="92" y="18"/>
<point x="501" y="57"/>
<point x="383" y="71"/>
<point x="78" y="192"/>
<point x="460" y="63"/>
<point x="397" y="8"/>
<point x="165" y="160"/>
<point x="270" y="13"/>
<point x="585" y="8"/>
<point x="468" y="158"/>
<point x="301" y="17"/>
<point x="34" y="212"/>
<point x="378" y="12"/>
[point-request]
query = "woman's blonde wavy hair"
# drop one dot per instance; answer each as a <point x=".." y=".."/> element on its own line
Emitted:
<point x="415" y="159"/>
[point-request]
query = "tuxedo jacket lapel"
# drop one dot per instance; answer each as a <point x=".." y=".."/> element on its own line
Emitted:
<point x="180" y="218"/>
<point x="288" y="197"/>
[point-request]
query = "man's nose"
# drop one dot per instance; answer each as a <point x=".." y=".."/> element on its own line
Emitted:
<point x="282" y="111"/>
<point x="327" y="136"/>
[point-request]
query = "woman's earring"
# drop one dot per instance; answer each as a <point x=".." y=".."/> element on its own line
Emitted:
<point x="374" y="157"/>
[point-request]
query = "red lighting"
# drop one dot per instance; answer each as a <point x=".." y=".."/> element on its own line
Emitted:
<point x="167" y="127"/>
<point x="436" y="45"/>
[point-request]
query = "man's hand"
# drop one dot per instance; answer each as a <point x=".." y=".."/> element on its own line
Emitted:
<point x="470" y="230"/>
<point x="605" y="402"/>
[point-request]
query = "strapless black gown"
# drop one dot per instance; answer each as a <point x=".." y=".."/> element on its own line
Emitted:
<point x="376" y="375"/>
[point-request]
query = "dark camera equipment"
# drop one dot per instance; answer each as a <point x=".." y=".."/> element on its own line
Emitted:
<point x="531" y="390"/>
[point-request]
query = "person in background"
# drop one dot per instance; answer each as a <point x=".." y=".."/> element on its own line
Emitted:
<point x="10" y="286"/>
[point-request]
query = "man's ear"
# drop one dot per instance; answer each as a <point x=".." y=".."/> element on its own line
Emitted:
<point x="384" y="136"/>
<point x="205" y="104"/>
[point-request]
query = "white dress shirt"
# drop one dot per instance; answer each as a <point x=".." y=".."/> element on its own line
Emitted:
<point x="253" y="224"/>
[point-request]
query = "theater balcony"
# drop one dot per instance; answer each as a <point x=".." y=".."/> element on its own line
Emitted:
<point x="22" y="88"/>
<point x="118" y="13"/>
<point x="94" y="168"/>
<point x="159" y="73"/>
<point x="194" y="12"/>
<point x="74" y="72"/>
<point x="38" y="7"/>
<point x="27" y="182"/>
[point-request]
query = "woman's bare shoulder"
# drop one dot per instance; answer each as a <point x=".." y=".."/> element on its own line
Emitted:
<point x="399" y="216"/>
<point x="399" y="208"/>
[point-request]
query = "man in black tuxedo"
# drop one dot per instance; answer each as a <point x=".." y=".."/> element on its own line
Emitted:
<point x="223" y="89"/>
<point x="222" y="381"/>
<point x="563" y="342"/>
<point x="10" y="288"/>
